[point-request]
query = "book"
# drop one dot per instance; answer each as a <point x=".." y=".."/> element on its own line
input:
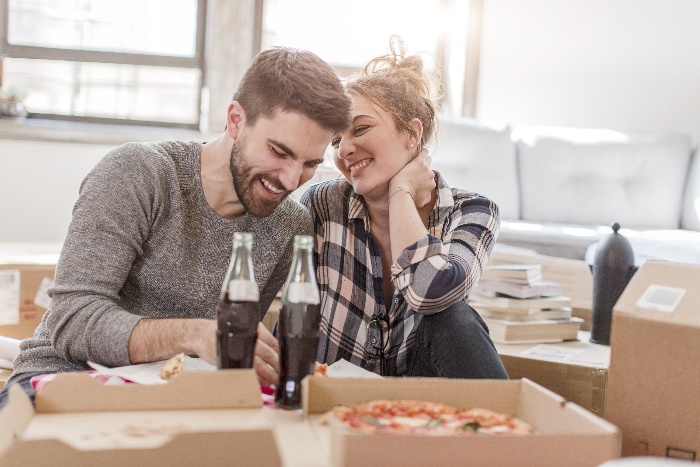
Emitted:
<point x="517" y="290"/>
<point x="537" y="332"/>
<point x="555" y="313"/>
<point x="520" y="273"/>
<point x="518" y="304"/>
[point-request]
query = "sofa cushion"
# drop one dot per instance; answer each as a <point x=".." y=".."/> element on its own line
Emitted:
<point x="691" y="203"/>
<point x="481" y="158"/>
<point x="598" y="176"/>
<point x="561" y="240"/>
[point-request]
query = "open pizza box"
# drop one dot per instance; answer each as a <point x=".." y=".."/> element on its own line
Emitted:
<point x="565" y="433"/>
<point x="197" y="418"/>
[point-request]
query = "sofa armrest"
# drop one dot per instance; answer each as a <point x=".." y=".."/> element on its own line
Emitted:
<point x="691" y="203"/>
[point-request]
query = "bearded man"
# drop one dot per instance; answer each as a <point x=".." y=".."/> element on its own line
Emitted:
<point x="148" y="246"/>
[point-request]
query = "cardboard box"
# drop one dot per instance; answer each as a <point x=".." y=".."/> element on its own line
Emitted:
<point x="566" y="433"/>
<point x="23" y="298"/>
<point x="654" y="377"/>
<point x="198" y="418"/>
<point x="576" y="370"/>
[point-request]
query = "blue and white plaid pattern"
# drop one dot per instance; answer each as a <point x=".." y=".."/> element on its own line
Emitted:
<point x="429" y="276"/>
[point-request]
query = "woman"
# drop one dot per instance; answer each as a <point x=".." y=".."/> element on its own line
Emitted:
<point x="396" y="250"/>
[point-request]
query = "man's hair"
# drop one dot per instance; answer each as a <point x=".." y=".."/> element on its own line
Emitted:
<point x="290" y="79"/>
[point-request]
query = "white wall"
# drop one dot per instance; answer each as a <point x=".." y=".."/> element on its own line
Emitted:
<point x="619" y="64"/>
<point x="39" y="184"/>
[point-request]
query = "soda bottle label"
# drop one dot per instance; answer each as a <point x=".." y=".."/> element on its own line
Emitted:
<point x="303" y="292"/>
<point x="243" y="291"/>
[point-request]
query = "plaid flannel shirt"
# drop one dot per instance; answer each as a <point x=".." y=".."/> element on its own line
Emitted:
<point x="429" y="276"/>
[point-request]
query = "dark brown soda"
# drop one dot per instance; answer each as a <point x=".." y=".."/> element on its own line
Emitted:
<point x="236" y="334"/>
<point x="298" y="343"/>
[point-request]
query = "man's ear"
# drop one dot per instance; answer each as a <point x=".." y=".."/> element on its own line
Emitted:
<point x="235" y="119"/>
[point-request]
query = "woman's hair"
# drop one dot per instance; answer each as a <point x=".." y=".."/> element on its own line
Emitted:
<point x="398" y="85"/>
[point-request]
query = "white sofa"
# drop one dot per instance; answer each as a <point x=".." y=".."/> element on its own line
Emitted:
<point x="560" y="189"/>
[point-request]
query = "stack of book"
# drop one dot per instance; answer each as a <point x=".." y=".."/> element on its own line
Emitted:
<point x="519" y="307"/>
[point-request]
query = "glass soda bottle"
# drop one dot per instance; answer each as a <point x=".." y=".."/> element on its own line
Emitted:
<point x="238" y="309"/>
<point x="297" y="325"/>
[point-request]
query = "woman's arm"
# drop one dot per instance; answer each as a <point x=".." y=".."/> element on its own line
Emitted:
<point x="433" y="273"/>
<point x="410" y="189"/>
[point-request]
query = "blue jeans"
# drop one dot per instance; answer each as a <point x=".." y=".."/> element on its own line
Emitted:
<point x="24" y="380"/>
<point x="455" y="343"/>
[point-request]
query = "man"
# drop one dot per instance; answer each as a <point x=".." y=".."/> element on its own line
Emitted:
<point x="148" y="246"/>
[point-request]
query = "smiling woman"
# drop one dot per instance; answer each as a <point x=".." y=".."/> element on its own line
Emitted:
<point x="397" y="250"/>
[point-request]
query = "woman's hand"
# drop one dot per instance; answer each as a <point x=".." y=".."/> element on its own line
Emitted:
<point x="417" y="178"/>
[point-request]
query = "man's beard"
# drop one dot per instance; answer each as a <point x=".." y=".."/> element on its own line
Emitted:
<point x="243" y="181"/>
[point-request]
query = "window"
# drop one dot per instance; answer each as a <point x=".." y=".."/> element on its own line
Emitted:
<point x="130" y="61"/>
<point x="348" y="34"/>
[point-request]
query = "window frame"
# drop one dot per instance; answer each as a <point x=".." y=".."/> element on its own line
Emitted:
<point x="8" y="50"/>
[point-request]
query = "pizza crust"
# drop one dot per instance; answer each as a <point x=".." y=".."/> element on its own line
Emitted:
<point x="172" y="366"/>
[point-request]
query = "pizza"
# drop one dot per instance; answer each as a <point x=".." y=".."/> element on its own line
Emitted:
<point x="172" y="366"/>
<point x="427" y="418"/>
<point x="320" y="369"/>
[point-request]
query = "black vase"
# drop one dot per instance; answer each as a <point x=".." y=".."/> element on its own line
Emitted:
<point x="612" y="270"/>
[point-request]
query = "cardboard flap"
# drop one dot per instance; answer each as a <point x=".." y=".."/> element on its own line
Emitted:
<point x="321" y="394"/>
<point x="663" y="291"/>
<point x="14" y="417"/>
<point x="221" y="389"/>
<point x="550" y="413"/>
<point x="239" y="448"/>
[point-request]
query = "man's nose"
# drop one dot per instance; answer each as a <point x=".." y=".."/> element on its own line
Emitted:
<point x="290" y="176"/>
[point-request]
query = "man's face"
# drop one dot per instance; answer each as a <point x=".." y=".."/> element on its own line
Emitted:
<point x="273" y="157"/>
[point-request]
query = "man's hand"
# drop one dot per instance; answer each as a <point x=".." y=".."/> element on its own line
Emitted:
<point x="266" y="363"/>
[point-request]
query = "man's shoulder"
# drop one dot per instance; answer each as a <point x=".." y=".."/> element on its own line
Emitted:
<point x="155" y="149"/>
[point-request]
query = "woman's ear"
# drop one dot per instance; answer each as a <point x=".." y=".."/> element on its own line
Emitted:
<point x="416" y="134"/>
<point x="234" y="119"/>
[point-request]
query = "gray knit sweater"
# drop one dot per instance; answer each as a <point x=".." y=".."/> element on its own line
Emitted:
<point x="144" y="243"/>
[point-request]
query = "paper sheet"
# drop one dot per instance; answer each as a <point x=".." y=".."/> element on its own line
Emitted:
<point x="9" y="348"/>
<point x="149" y="373"/>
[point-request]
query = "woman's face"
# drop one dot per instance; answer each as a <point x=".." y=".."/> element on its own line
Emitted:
<point x="372" y="150"/>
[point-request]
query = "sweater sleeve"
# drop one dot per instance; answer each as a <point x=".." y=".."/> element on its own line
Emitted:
<point x="434" y="273"/>
<point x="118" y="203"/>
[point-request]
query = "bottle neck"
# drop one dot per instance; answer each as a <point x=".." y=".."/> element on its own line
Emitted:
<point x="240" y="285"/>
<point x="300" y="286"/>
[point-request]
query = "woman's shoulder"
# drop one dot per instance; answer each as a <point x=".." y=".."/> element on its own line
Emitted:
<point x="331" y="192"/>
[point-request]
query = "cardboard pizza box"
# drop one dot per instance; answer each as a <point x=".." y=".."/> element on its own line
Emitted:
<point x="654" y="378"/>
<point x="566" y="434"/>
<point x="197" y="418"/>
<point x="576" y="370"/>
